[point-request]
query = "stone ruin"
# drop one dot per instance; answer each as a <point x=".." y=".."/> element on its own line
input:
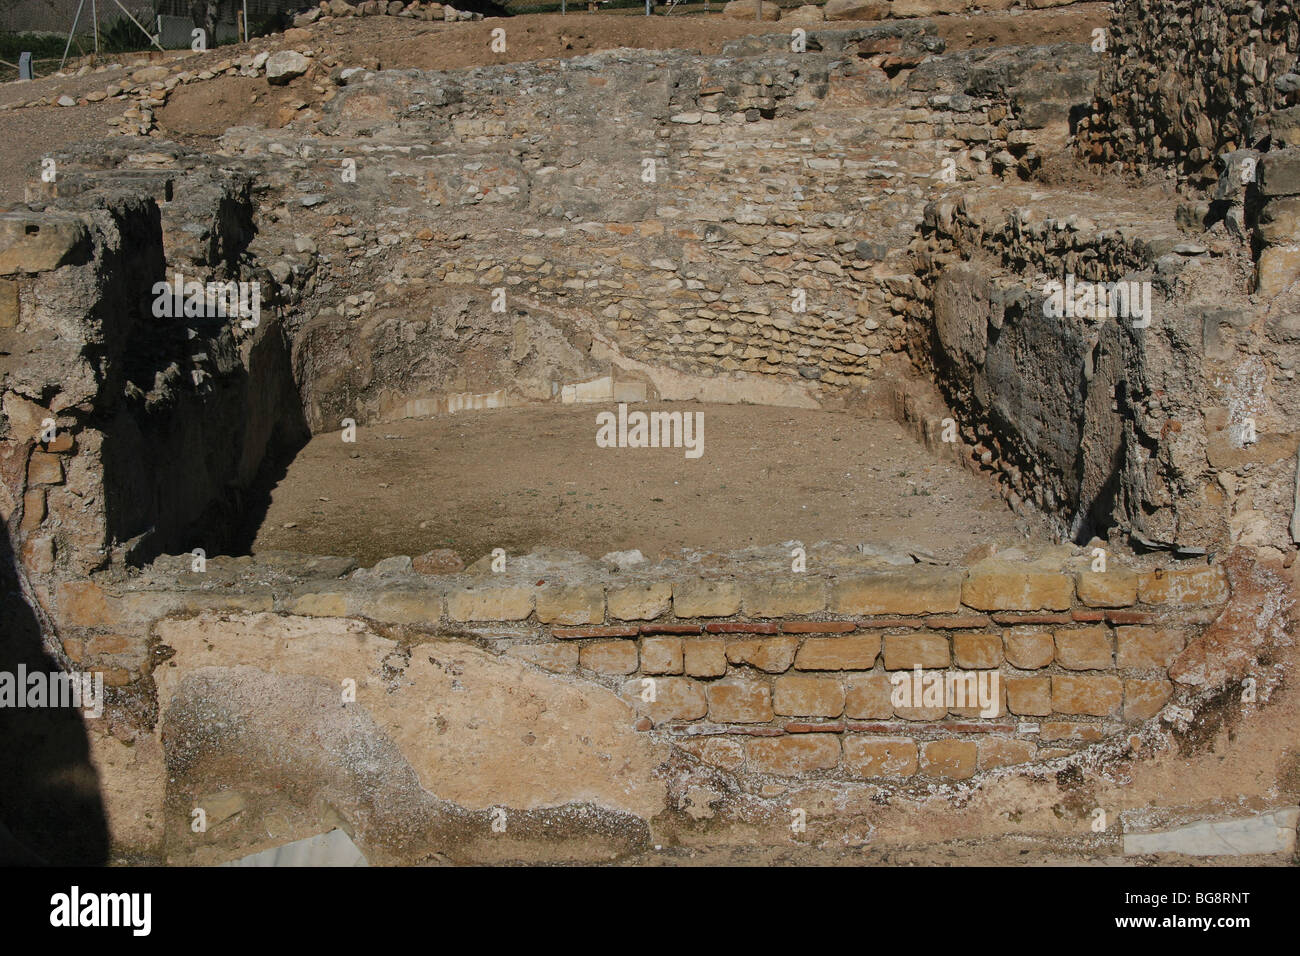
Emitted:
<point x="652" y="219"/>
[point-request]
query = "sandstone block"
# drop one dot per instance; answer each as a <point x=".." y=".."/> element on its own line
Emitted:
<point x="1003" y="586"/>
<point x="905" y="651"/>
<point x="739" y="701"/>
<point x="1029" y="649"/>
<point x="856" y="653"/>
<point x="39" y="244"/>
<point x="503" y="602"/>
<point x="1093" y="696"/>
<point x="948" y="759"/>
<point x="802" y="695"/>
<point x="706" y="657"/>
<point x="919" y="590"/>
<point x="571" y="604"/>
<point x="643" y="601"/>
<point x="1029" y="696"/>
<point x="609" y="657"/>
<point x="1190" y="586"/>
<point x="1144" y="698"/>
<point x="44" y="469"/>
<point x="1003" y="752"/>
<point x="866" y="756"/>
<point x="1111" y="588"/>
<point x="403" y="607"/>
<point x="697" y="597"/>
<point x="674" y="698"/>
<point x="661" y="655"/>
<point x="787" y="756"/>
<point x="867" y="697"/>
<point x="781" y="597"/>
<point x="1084" y="649"/>
<point x="977" y="651"/>
<point x="1148" y="648"/>
<point x="771" y="654"/>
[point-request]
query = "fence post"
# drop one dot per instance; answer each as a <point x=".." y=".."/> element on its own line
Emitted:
<point x="25" y="66"/>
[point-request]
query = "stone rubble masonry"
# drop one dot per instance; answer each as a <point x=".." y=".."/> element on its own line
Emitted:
<point x="808" y="689"/>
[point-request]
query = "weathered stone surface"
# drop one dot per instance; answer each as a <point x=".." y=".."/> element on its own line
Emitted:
<point x="778" y="597"/>
<point x="705" y="657"/>
<point x="802" y="695"/>
<point x="1029" y="649"/>
<point x="976" y="651"/>
<point x="557" y="656"/>
<point x="609" y="657"/>
<point x="739" y="701"/>
<point x="866" y="756"/>
<point x="1189" y="586"/>
<point x="661" y="655"/>
<point x="571" y="604"/>
<point x="1084" y="648"/>
<point x="771" y="654"/>
<point x="1110" y="588"/>
<point x="1271" y="832"/>
<point x="1004" y="586"/>
<point x="868" y="697"/>
<point x="857" y="653"/>
<point x="948" y="759"/>
<point x="674" y="698"/>
<point x="914" y="591"/>
<point x="644" y="601"/>
<point x="751" y="9"/>
<point x="437" y="561"/>
<point x="1279" y="173"/>
<point x="1148" y="648"/>
<point x="1144" y="698"/>
<point x="31" y="244"/>
<point x="285" y="65"/>
<point x="1003" y="751"/>
<point x="856" y="9"/>
<point x="505" y="731"/>
<point x="1252" y="620"/>
<point x="787" y="756"/>
<point x="499" y="602"/>
<point x="1029" y="696"/>
<point x="1094" y="696"/>
<point x="703" y="598"/>
<point x="905" y="651"/>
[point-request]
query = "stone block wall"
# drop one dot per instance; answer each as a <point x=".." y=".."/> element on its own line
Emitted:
<point x="1178" y="435"/>
<point x="752" y="671"/>
<point x="1186" y="81"/>
<point x="124" y="433"/>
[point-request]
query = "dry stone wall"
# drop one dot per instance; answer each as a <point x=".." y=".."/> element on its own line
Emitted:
<point x="1189" y="81"/>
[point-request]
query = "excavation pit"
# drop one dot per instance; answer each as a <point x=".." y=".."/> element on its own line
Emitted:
<point x="523" y="478"/>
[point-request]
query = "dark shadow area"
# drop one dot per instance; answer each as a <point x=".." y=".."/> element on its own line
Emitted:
<point x="50" y="807"/>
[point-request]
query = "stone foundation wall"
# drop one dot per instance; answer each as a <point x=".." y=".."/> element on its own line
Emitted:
<point x="772" y="673"/>
<point x="1186" y="81"/>
<point x="1179" y="435"/>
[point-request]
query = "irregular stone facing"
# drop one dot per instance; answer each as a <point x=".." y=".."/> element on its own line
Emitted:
<point x="1068" y="412"/>
<point x="703" y="667"/>
<point x="1187" y="80"/>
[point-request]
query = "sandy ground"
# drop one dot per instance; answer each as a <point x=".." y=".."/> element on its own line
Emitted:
<point x="527" y="477"/>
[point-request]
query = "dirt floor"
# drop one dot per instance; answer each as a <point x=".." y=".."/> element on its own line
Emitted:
<point x="527" y="477"/>
<point x="199" y="112"/>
